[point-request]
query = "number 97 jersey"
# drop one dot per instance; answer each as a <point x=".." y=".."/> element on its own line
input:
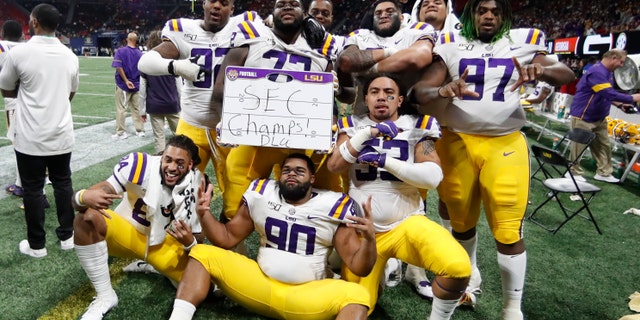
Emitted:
<point x="491" y="74"/>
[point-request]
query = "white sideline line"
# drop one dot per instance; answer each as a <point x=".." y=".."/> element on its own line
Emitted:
<point x="91" y="117"/>
<point x="93" y="94"/>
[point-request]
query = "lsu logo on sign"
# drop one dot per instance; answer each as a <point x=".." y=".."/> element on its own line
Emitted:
<point x="313" y="77"/>
<point x="232" y="75"/>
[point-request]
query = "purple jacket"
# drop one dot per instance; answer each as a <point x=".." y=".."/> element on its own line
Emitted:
<point x="127" y="58"/>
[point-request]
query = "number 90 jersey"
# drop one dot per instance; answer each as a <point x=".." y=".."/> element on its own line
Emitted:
<point x="268" y="51"/>
<point x="497" y="111"/>
<point x="295" y="240"/>
<point x="191" y="40"/>
<point x="392" y="199"/>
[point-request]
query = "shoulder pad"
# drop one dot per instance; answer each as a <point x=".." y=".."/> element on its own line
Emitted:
<point x="345" y="122"/>
<point x="259" y="185"/>
<point x="248" y="30"/>
<point x="137" y="164"/>
<point x="174" y="25"/>
<point x="446" y="37"/>
<point x="328" y="45"/>
<point x="342" y="208"/>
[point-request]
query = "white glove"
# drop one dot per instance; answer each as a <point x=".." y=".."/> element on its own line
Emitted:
<point x="188" y="69"/>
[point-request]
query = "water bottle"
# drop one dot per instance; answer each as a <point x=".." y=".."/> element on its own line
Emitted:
<point x="561" y="112"/>
<point x="556" y="142"/>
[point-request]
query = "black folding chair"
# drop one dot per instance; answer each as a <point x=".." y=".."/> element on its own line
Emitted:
<point x="575" y="135"/>
<point x="554" y="166"/>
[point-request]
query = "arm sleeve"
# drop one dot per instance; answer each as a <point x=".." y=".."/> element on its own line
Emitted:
<point x="423" y="175"/>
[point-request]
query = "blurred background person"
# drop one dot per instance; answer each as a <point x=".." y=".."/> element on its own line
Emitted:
<point x="127" y="86"/>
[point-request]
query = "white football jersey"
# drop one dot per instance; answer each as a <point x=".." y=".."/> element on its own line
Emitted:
<point x="491" y="74"/>
<point x="333" y="45"/>
<point x="192" y="40"/>
<point x="540" y="86"/>
<point x="393" y="200"/>
<point x="405" y="37"/>
<point x="267" y="51"/>
<point x="134" y="175"/>
<point x="295" y="239"/>
<point x="9" y="103"/>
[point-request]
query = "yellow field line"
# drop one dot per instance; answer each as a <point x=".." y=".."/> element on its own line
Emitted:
<point x="74" y="305"/>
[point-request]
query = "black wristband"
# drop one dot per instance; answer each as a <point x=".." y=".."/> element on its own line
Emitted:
<point x="170" y="67"/>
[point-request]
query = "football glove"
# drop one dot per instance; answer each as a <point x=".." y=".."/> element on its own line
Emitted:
<point x="336" y="83"/>
<point x="387" y="129"/>
<point x="370" y="156"/>
<point x="313" y="31"/>
<point x="188" y="69"/>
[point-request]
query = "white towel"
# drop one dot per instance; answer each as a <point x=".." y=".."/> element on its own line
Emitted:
<point x="185" y="199"/>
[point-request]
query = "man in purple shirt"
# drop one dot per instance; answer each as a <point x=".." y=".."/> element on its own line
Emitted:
<point x="590" y="107"/>
<point x="127" y="86"/>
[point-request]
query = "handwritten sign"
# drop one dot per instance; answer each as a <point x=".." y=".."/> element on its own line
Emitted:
<point x="277" y="108"/>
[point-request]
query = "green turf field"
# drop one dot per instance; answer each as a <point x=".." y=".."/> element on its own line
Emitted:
<point x="576" y="274"/>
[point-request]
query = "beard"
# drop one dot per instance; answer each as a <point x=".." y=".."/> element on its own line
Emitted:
<point x="395" y="26"/>
<point x="288" y="27"/>
<point x="294" y="193"/>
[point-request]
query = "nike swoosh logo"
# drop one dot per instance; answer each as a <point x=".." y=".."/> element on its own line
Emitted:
<point x="398" y="41"/>
<point x="507" y="153"/>
<point x="312" y="217"/>
<point x="514" y="48"/>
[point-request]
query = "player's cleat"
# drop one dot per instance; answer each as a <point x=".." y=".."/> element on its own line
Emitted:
<point x="67" y="244"/>
<point x="512" y="314"/>
<point x="100" y="306"/>
<point x="141" y="134"/>
<point x="15" y="190"/>
<point x="418" y="279"/>
<point x="25" y="248"/>
<point x="393" y="272"/>
<point x="468" y="300"/>
<point x="140" y="266"/>
<point x="424" y="289"/>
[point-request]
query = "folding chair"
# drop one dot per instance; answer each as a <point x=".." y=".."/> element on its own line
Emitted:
<point x="556" y="166"/>
<point x="575" y="135"/>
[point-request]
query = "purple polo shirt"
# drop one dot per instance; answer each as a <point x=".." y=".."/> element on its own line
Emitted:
<point x="127" y="58"/>
<point x="162" y="94"/>
<point x="594" y="95"/>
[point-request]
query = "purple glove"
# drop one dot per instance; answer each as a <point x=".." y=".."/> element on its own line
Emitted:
<point x="371" y="156"/>
<point x="387" y="129"/>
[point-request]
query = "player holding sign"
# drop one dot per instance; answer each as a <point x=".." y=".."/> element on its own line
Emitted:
<point x="281" y="47"/>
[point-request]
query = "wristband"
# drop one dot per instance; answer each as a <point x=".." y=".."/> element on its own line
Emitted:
<point x="346" y="154"/>
<point x="389" y="52"/>
<point x="189" y="247"/>
<point x="170" y="68"/>
<point x="78" y="197"/>
<point x="359" y="139"/>
<point x="374" y="68"/>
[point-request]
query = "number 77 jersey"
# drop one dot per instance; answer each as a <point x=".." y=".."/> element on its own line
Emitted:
<point x="491" y="74"/>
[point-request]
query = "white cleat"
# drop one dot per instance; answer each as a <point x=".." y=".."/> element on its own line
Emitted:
<point x="393" y="272"/>
<point x="512" y="314"/>
<point x="474" y="282"/>
<point x="100" y="306"/>
<point x="468" y="300"/>
<point x="416" y="276"/>
<point x="140" y="266"/>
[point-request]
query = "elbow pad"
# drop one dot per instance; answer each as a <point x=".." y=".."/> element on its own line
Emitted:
<point x="153" y="64"/>
<point x="423" y="175"/>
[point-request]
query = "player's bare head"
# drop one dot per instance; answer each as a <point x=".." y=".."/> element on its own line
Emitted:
<point x="322" y="10"/>
<point x="383" y="95"/>
<point x="155" y="38"/>
<point x="433" y="12"/>
<point x="177" y="160"/>
<point x="132" y="38"/>
<point x="387" y="17"/>
<point x="486" y="20"/>
<point x="45" y="17"/>
<point x="297" y="176"/>
<point x="217" y="13"/>
<point x="288" y="16"/>
<point x="12" y="30"/>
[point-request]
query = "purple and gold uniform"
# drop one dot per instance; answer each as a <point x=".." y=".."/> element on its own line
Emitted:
<point x="288" y="279"/>
<point x="402" y="229"/>
<point x="132" y="232"/>
<point x="484" y="156"/>
<point x="246" y="163"/>
<point x="196" y="117"/>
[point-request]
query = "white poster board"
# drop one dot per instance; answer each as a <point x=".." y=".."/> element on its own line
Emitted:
<point x="277" y="108"/>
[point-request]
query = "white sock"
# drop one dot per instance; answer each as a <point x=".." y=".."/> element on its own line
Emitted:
<point x="182" y="310"/>
<point x="442" y="309"/>
<point x="415" y="274"/>
<point x="94" y="259"/>
<point x="512" y="272"/>
<point x="471" y="246"/>
<point x="446" y="223"/>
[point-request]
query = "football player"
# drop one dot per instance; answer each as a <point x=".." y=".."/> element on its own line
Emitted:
<point x="387" y="48"/>
<point x="156" y="220"/>
<point x="390" y="156"/>
<point x="281" y="47"/>
<point x="485" y="158"/>
<point x="194" y="49"/>
<point x="11" y="36"/>
<point x="297" y="225"/>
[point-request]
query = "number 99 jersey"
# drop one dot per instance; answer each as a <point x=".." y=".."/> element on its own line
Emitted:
<point x="393" y="200"/>
<point x="497" y="111"/>
<point x="295" y="240"/>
